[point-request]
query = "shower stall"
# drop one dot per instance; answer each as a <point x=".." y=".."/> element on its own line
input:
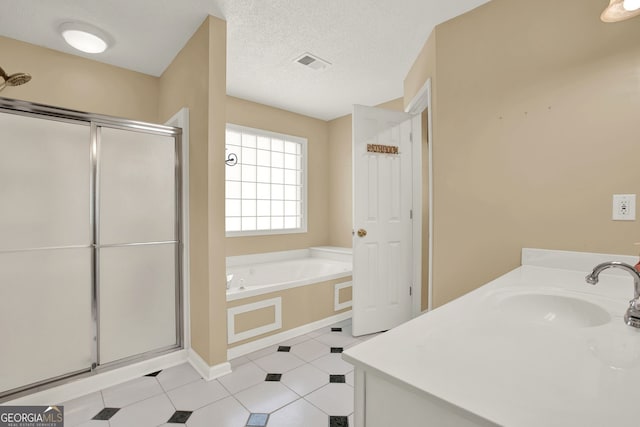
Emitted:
<point x="90" y="244"/>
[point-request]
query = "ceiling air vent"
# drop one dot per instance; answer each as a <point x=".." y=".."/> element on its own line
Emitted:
<point x="312" y="61"/>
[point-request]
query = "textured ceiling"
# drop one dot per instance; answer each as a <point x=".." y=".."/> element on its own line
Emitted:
<point x="371" y="44"/>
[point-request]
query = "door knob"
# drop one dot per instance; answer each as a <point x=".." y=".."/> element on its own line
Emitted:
<point x="362" y="232"/>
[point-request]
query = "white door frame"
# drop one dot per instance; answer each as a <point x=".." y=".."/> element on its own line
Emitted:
<point x="420" y="101"/>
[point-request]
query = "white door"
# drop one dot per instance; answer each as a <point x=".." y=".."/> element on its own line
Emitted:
<point x="382" y="239"/>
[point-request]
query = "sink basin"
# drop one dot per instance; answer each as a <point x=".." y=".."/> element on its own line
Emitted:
<point x="556" y="310"/>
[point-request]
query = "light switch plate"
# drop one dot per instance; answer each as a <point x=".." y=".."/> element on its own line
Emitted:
<point x="624" y="207"/>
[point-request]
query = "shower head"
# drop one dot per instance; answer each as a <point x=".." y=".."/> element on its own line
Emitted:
<point x="16" y="79"/>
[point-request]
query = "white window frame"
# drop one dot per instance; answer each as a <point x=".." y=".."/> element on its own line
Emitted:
<point x="304" y="201"/>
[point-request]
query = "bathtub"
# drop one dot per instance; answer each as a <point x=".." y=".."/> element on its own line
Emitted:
<point x="276" y="296"/>
<point x="253" y="275"/>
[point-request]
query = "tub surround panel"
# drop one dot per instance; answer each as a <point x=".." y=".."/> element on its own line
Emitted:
<point x="256" y="318"/>
<point x="299" y="306"/>
<point x="343" y="295"/>
<point x="258" y="324"/>
<point x="284" y="336"/>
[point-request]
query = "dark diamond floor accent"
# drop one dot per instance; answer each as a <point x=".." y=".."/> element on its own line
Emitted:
<point x="338" y="421"/>
<point x="180" y="417"/>
<point x="336" y="349"/>
<point x="284" y="348"/>
<point x="106" y="414"/>
<point x="257" y="420"/>
<point x="273" y="377"/>
<point x="153" y="374"/>
<point x="340" y="379"/>
<point x="336" y="329"/>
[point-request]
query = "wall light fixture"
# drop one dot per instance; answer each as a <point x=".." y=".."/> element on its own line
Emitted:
<point x="619" y="10"/>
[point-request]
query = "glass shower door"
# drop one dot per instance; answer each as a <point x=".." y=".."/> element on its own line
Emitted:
<point x="137" y="243"/>
<point x="45" y="250"/>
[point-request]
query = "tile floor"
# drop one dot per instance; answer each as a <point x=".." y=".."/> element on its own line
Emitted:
<point x="302" y="382"/>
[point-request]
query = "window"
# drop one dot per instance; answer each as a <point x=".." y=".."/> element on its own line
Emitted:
<point x="266" y="189"/>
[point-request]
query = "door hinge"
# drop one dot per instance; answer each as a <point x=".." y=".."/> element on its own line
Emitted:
<point x="410" y="291"/>
<point x="410" y="136"/>
<point x="410" y="213"/>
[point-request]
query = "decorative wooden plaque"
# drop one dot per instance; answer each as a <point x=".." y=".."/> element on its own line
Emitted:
<point x="383" y="149"/>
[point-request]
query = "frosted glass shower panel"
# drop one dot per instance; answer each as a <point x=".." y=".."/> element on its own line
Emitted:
<point x="137" y="300"/>
<point x="45" y="171"/>
<point x="45" y="315"/>
<point x="137" y="194"/>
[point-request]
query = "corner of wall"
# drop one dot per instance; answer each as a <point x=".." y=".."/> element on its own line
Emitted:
<point x="340" y="156"/>
<point x="217" y="102"/>
<point x="197" y="79"/>
<point x="423" y="68"/>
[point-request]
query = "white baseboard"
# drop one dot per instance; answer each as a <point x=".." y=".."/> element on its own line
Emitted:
<point x="256" y="345"/>
<point x="208" y="372"/>
<point x="91" y="384"/>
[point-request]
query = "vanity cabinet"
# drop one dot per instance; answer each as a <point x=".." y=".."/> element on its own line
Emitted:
<point x="381" y="401"/>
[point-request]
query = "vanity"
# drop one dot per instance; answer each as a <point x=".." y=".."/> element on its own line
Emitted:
<point x="536" y="347"/>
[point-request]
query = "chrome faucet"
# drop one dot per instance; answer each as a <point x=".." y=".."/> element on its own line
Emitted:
<point x="632" y="316"/>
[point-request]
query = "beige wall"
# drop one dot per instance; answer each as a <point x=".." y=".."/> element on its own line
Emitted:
<point x="76" y="83"/>
<point x="316" y="131"/>
<point x="423" y="67"/>
<point x="217" y="126"/>
<point x="535" y="127"/>
<point x="340" y="182"/>
<point x="196" y="79"/>
<point x="340" y="176"/>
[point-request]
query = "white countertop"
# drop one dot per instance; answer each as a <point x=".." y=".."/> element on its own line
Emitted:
<point x="514" y="371"/>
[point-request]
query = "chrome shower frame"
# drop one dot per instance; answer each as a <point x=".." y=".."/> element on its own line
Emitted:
<point x="95" y="122"/>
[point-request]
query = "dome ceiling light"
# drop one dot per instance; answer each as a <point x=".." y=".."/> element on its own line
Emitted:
<point x="85" y="37"/>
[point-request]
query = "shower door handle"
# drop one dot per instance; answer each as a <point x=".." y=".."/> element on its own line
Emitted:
<point x="362" y="232"/>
